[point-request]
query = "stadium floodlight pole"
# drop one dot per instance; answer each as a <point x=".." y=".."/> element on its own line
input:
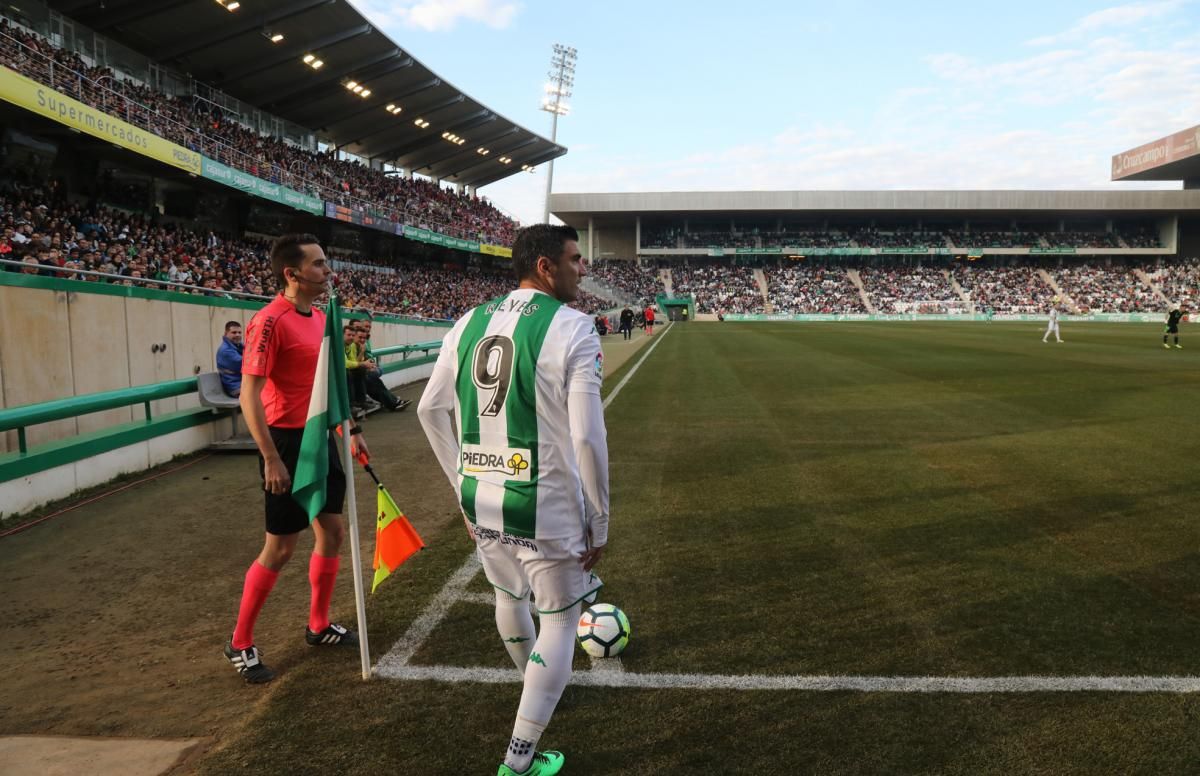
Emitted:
<point x="562" y="79"/>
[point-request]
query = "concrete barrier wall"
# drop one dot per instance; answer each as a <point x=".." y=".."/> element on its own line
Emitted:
<point x="55" y="344"/>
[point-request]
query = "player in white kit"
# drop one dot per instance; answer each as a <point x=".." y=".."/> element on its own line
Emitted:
<point x="520" y="378"/>
<point x="1052" y="326"/>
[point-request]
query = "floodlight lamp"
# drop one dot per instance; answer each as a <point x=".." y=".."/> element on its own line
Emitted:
<point x="308" y="58"/>
<point x="277" y="37"/>
<point x="365" y="93"/>
<point x="318" y="64"/>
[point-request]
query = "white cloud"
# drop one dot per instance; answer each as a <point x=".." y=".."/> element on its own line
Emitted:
<point x="1121" y="16"/>
<point x="1050" y="120"/>
<point x="438" y="15"/>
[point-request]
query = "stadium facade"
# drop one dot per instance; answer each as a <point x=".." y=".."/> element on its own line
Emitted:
<point x="719" y="223"/>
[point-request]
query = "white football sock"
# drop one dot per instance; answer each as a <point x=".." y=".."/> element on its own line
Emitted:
<point x="546" y="675"/>
<point x="515" y="624"/>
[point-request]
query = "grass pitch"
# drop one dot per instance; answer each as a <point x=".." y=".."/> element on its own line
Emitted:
<point x="865" y="499"/>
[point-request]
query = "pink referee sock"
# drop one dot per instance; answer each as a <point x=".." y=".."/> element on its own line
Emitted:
<point x="259" y="582"/>
<point x="322" y="572"/>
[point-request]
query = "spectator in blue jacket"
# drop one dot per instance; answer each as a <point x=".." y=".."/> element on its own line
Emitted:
<point x="229" y="359"/>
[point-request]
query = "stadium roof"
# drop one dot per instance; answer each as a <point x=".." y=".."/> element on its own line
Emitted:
<point x="575" y="209"/>
<point x="233" y="52"/>
<point x="1172" y="158"/>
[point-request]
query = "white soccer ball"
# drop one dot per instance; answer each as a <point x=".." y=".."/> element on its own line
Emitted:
<point x="603" y="630"/>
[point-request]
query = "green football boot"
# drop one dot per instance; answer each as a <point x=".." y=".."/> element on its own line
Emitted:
<point x="544" y="764"/>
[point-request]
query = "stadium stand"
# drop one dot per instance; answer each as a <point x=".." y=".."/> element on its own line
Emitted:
<point x="1011" y="289"/>
<point x="1178" y="281"/>
<point x="719" y="288"/>
<point x="909" y="290"/>
<point x="201" y="126"/>
<point x="1115" y="289"/>
<point x="65" y="238"/>
<point x="812" y="288"/>
<point x="636" y="282"/>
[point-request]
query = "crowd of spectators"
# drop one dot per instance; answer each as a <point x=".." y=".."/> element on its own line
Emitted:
<point x="719" y="288"/>
<point x="899" y="238"/>
<point x="994" y="239"/>
<point x="919" y="239"/>
<point x="1013" y="289"/>
<point x="203" y="127"/>
<point x="57" y="237"/>
<point x="909" y="289"/>
<point x="631" y="280"/>
<point x="1082" y="240"/>
<point x="1114" y="289"/>
<point x="1140" y="238"/>
<point x="812" y="288"/>
<point x="1179" y="282"/>
<point x="832" y="238"/>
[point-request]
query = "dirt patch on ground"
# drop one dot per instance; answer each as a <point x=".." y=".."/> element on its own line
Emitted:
<point x="63" y="756"/>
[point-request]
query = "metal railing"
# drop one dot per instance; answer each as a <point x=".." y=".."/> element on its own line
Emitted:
<point x="26" y="415"/>
<point x="45" y="69"/>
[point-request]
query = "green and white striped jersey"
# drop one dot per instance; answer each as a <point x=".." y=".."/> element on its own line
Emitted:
<point x="506" y="369"/>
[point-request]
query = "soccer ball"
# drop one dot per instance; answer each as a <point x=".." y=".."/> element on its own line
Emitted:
<point x="1056" y="300"/>
<point x="603" y="630"/>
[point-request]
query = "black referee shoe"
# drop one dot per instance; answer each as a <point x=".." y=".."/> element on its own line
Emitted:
<point x="332" y="636"/>
<point x="248" y="663"/>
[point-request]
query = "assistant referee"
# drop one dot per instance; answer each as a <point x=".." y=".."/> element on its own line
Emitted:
<point x="283" y="343"/>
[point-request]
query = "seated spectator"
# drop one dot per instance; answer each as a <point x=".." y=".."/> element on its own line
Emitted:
<point x="601" y="325"/>
<point x="373" y="375"/>
<point x="229" y="359"/>
<point x="356" y="371"/>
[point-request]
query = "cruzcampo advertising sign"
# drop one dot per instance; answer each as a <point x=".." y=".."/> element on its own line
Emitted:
<point x="243" y="181"/>
<point x="47" y="102"/>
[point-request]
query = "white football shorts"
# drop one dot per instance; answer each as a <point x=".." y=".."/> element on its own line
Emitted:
<point x="549" y="569"/>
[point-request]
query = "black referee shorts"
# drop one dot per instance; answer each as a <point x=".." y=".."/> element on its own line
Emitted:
<point x="284" y="514"/>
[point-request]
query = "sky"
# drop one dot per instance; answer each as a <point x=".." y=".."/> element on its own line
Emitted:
<point x="755" y="95"/>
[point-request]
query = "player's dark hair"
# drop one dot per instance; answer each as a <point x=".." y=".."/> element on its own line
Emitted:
<point x="288" y="251"/>
<point x="536" y="241"/>
<point x="230" y="324"/>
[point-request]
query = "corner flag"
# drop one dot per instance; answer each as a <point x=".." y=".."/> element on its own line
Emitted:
<point x="395" y="538"/>
<point x="328" y="407"/>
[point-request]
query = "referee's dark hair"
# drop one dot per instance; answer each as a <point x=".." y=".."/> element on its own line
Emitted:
<point x="288" y="251"/>
<point x="539" y="240"/>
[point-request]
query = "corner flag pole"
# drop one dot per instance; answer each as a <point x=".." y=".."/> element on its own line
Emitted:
<point x="364" y="651"/>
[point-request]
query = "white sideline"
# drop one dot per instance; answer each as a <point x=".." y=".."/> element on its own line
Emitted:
<point x="410" y="642"/>
<point x="609" y="672"/>
<point x="894" y="684"/>
<point x="633" y="370"/>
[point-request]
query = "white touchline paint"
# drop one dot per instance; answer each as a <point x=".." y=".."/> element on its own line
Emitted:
<point x="609" y="672"/>
<point x="895" y="684"/>
<point x="609" y="399"/>
<point x="411" y="641"/>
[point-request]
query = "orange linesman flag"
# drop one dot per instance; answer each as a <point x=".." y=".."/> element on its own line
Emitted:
<point x="395" y="538"/>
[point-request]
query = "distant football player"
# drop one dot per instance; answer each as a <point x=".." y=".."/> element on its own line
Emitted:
<point x="1052" y="326"/>
<point x="1172" y="327"/>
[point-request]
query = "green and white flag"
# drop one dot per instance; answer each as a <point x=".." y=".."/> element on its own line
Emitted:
<point x="328" y="407"/>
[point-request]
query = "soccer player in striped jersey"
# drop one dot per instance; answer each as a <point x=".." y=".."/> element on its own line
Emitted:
<point x="520" y="378"/>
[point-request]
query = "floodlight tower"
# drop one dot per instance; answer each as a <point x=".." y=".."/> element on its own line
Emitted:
<point x="562" y="79"/>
